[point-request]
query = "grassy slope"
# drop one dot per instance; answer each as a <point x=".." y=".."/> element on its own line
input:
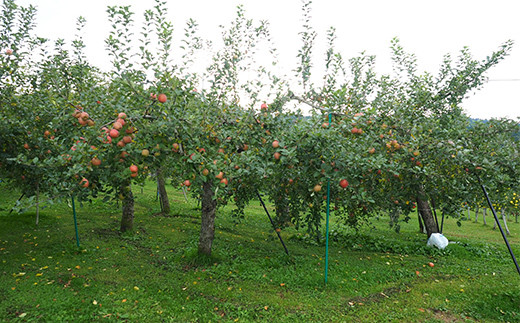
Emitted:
<point x="154" y="275"/>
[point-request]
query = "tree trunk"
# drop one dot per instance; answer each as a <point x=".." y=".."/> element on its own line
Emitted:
<point x="469" y="215"/>
<point x="207" y="228"/>
<point x="476" y="214"/>
<point x="163" y="195"/>
<point x="424" y="209"/>
<point x="127" y="220"/>
<point x="484" y="216"/>
<point x="505" y="221"/>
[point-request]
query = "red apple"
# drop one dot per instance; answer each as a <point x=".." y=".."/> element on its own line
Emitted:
<point x="162" y="98"/>
<point x="114" y="133"/>
<point x="343" y="183"/>
<point x="117" y="125"/>
<point x="84" y="182"/>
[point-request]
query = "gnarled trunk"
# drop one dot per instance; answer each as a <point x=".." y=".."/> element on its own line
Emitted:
<point x="207" y="228"/>
<point x="163" y="195"/>
<point x="127" y="220"/>
<point x="423" y="207"/>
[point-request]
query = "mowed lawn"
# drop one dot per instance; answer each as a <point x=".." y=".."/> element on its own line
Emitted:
<point x="155" y="275"/>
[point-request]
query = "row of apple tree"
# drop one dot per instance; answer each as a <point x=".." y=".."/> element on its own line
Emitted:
<point x="376" y="143"/>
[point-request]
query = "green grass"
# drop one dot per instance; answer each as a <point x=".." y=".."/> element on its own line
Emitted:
<point x="155" y="274"/>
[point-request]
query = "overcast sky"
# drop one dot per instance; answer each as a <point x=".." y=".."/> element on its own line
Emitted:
<point x="428" y="29"/>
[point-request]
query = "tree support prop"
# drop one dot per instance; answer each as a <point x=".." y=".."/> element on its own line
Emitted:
<point x="327" y="223"/>
<point x="327" y="232"/>
<point x="435" y="215"/>
<point x="272" y="223"/>
<point x="21" y="197"/>
<point x="75" y="221"/>
<point x="498" y="223"/>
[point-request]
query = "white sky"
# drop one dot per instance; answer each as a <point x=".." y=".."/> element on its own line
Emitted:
<point x="428" y="29"/>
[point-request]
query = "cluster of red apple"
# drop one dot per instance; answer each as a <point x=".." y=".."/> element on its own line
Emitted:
<point x="161" y="97"/>
<point x="83" y="117"/>
<point x="277" y="154"/>
<point x="133" y="170"/>
<point x="115" y="131"/>
<point x="393" y="144"/>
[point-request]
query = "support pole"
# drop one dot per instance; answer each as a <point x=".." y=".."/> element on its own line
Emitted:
<point x="442" y="222"/>
<point x="435" y="215"/>
<point x="21" y="196"/>
<point x="327" y="233"/>
<point x="37" y="202"/>
<point x="75" y="221"/>
<point x="327" y="221"/>
<point x="498" y="223"/>
<point x="272" y="223"/>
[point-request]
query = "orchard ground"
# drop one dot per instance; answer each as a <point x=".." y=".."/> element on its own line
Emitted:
<point x="154" y="273"/>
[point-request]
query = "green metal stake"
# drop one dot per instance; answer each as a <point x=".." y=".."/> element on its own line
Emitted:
<point x="75" y="221"/>
<point x="327" y="222"/>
